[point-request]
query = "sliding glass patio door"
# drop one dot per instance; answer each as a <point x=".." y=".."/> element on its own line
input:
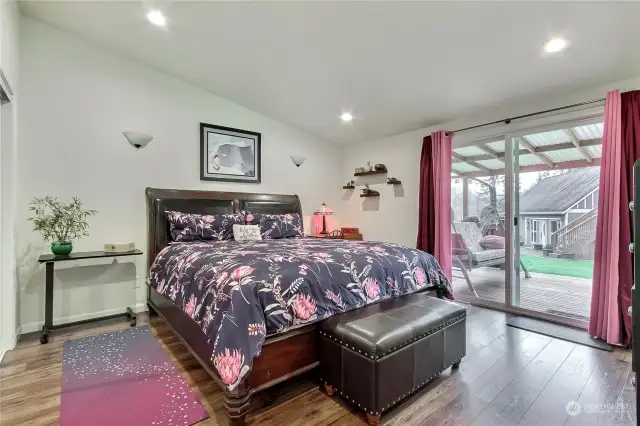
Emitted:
<point x="478" y="216"/>
<point x="554" y="188"/>
<point x="524" y="213"/>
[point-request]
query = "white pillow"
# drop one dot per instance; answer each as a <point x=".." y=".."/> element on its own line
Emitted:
<point x="246" y="233"/>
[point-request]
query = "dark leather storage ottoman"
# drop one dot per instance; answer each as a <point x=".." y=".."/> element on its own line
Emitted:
<point x="377" y="355"/>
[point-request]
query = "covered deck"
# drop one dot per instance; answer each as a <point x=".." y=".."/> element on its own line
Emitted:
<point x="478" y="174"/>
<point x="567" y="297"/>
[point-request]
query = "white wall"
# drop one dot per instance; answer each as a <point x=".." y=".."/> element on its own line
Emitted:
<point x="394" y="215"/>
<point x="9" y="20"/>
<point x="76" y="101"/>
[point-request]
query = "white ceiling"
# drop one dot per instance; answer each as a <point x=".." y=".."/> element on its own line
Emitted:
<point x="397" y="67"/>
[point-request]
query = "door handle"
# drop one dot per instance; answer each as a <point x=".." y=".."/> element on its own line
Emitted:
<point x="630" y="311"/>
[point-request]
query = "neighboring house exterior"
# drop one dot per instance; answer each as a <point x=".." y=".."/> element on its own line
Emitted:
<point x="553" y="208"/>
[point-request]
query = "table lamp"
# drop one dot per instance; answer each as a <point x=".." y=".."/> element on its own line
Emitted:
<point x="323" y="211"/>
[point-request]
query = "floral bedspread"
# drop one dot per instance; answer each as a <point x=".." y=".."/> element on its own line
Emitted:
<point x="240" y="292"/>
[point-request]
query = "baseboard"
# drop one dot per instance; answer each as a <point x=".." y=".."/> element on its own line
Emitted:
<point x="36" y="326"/>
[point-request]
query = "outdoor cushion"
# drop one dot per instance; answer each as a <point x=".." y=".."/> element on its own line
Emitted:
<point x="489" y="242"/>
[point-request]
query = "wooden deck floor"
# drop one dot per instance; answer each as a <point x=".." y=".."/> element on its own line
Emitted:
<point x="541" y="292"/>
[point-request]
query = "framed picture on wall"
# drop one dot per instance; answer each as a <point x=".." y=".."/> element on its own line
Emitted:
<point x="228" y="154"/>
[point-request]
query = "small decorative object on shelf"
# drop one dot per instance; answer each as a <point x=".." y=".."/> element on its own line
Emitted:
<point x="60" y="222"/>
<point x="350" y="185"/>
<point x="367" y="192"/>
<point x="323" y="211"/>
<point x="369" y="166"/>
<point x="119" y="247"/>
<point x="393" y="181"/>
<point x="380" y="167"/>
<point x="359" y="170"/>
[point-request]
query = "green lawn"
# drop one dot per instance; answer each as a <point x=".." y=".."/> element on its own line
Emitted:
<point x="566" y="267"/>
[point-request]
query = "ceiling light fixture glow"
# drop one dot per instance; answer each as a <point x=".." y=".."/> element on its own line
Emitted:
<point x="555" y="45"/>
<point x="346" y="117"/>
<point x="157" y="18"/>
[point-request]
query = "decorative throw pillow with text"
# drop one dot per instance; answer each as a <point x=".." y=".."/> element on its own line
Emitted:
<point x="246" y="233"/>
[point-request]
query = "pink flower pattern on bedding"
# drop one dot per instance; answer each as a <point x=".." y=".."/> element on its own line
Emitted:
<point x="240" y="292"/>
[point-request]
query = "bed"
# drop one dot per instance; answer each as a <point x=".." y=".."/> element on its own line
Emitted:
<point x="257" y="328"/>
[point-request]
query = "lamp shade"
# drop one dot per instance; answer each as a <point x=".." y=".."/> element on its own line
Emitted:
<point x="137" y="139"/>
<point x="323" y="210"/>
<point x="297" y="160"/>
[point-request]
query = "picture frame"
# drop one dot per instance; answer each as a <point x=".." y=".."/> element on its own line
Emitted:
<point x="229" y="155"/>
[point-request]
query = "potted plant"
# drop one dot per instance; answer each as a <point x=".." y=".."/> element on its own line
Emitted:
<point x="60" y="222"/>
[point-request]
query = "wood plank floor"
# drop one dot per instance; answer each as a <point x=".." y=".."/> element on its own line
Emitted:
<point x="509" y="377"/>
<point x="541" y="292"/>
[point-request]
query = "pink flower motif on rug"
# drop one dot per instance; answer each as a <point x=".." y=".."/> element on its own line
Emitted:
<point x="249" y="217"/>
<point x="322" y="255"/>
<point x="305" y="306"/>
<point x="371" y="288"/>
<point x="229" y="364"/>
<point x="208" y="219"/>
<point x="241" y="272"/>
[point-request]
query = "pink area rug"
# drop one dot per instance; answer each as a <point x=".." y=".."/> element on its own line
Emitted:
<point x="124" y="378"/>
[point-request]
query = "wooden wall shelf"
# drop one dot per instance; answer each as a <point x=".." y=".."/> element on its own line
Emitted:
<point x="371" y="173"/>
<point x="370" y="194"/>
<point x="348" y="187"/>
<point x="398" y="182"/>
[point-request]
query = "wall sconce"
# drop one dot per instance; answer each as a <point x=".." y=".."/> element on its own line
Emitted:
<point x="297" y="160"/>
<point x="137" y="140"/>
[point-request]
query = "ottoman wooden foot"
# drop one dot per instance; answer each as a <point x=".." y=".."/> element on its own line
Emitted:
<point x="455" y="365"/>
<point x="373" y="420"/>
<point x="329" y="390"/>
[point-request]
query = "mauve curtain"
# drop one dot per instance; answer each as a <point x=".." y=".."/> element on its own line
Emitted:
<point x="630" y="130"/>
<point x="434" y="210"/>
<point x="612" y="272"/>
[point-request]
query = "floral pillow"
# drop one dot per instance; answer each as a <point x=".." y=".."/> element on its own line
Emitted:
<point x="274" y="226"/>
<point x="194" y="227"/>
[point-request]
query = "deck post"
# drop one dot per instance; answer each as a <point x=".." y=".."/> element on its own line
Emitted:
<point x="465" y="197"/>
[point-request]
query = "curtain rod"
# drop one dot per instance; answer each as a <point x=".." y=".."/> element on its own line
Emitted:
<point x="508" y="120"/>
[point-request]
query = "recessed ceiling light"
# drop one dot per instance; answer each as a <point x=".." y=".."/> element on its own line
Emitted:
<point x="346" y="117"/>
<point x="555" y="45"/>
<point x="157" y="18"/>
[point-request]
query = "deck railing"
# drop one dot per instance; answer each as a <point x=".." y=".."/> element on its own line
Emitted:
<point x="575" y="230"/>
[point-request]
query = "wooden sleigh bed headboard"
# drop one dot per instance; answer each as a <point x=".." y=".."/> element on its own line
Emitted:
<point x="206" y="202"/>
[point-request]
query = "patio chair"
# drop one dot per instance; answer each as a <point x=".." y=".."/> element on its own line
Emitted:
<point x="467" y="254"/>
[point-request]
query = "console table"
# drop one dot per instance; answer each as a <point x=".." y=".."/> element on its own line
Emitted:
<point x="50" y="260"/>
